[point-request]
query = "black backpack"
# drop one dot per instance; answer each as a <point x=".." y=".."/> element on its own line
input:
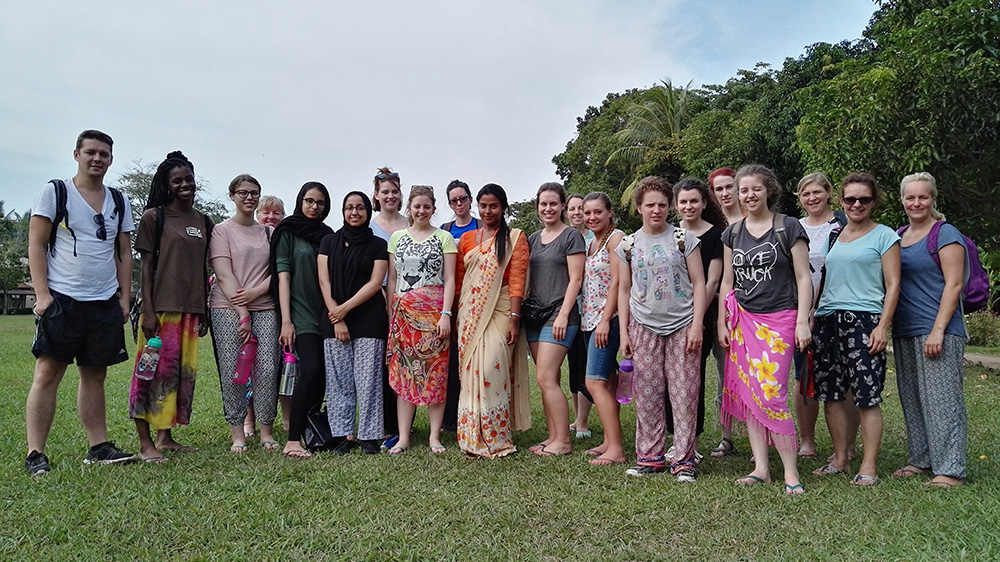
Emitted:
<point x="63" y="217"/>
<point x="447" y="226"/>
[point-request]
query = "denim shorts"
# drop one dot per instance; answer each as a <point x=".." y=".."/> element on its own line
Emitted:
<point x="601" y="363"/>
<point x="545" y="335"/>
<point x="91" y="332"/>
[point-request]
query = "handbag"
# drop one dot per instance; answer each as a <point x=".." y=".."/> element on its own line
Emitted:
<point x="317" y="435"/>
<point x="535" y="317"/>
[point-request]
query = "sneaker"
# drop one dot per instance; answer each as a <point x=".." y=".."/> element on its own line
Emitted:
<point x="37" y="464"/>
<point x="641" y="470"/>
<point x="108" y="453"/>
<point x="344" y="447"/>
<point x="390" y="442"/>
<point x="670" y="454"/>
<point x="685" y="475"/>
<point x="370" y="447"/>
<point x="697" y="457"/>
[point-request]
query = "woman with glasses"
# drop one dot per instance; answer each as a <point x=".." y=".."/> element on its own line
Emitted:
<point x="857" y="300"/>
<point x="172" y="241"/>
<point x="242" y="308"/>
<point x="295" y="284"/>
<point x="460" y="201"/>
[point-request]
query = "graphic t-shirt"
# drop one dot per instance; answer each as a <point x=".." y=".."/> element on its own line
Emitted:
<point x="662" y="296"/>
<point x="179" y="279"/>
<point x="819" y="243"/>
<point x="419" y="264"/>
<point x="763" y="277"/>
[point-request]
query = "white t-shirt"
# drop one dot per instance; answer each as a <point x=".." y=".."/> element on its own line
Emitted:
<point x="90" y="275"/>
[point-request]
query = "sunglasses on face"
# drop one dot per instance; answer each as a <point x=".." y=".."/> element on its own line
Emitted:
<point x="850" y="201"/>
<point x="459" y="200"/>
<point x="384" y="176"/>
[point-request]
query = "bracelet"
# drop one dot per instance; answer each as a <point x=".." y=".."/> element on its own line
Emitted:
<point x="448" y="312"/>
<point x="516" y="315"/>
<point x="244" y="321"/>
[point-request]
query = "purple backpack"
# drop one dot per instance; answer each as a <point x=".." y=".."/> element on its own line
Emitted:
<point x="976" y="293"/>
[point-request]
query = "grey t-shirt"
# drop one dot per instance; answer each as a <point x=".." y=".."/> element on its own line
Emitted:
<point x="762" y="276"/>
<point x="662" y="296"/>
<point x="550" y="272"/>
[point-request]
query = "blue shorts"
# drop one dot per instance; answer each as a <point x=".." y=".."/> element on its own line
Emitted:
<point x="545" y="335"/>
<point x="601" y="363"/>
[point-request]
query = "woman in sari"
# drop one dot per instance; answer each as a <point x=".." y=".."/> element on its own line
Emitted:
<point x="490" y="279"/>
<point x="768" y="294"/>
<point x="421" y="289"/>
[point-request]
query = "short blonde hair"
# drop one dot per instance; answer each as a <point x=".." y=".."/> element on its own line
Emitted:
<point x="923" y="176"/>
<point x="267" y="201"/>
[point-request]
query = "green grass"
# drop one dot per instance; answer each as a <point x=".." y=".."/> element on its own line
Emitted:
<point x="983" y="350"/>
<point x="211" y="505"/>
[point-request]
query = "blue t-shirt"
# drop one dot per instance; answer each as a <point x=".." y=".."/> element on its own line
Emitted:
<point x="854" y="273"/>
<point x="457" y="231"/>
<point x="920" y="288"/>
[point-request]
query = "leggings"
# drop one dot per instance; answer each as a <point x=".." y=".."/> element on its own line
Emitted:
<point x="311" y="383"/>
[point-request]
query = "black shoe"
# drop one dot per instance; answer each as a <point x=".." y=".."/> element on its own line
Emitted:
<point x="108" y="453"/>
<point x="344" y="447"/>
<point x="370" y="447"/>
<point x="37" y="464"/>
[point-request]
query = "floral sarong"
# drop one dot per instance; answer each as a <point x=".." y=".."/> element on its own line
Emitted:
<point x="417" y="358"/>
<point x="165" y="401"/>
<point x="494" y="399"/>
<point x="761" y="348"/>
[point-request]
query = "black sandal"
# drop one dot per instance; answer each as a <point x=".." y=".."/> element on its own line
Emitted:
<point x="725" y="449"/>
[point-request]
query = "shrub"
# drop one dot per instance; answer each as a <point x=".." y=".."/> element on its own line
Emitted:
<point x="984" y="329"/>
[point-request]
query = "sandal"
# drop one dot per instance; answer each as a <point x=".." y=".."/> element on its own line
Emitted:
<point x="297" y="454"/>
<point x="795" y="490"/>
<point x="827" y="470"/>
<point x="603" y="461"/>
<point x="725" y="449"/>
<point x="585" y="434"/>
<point x="943" y="484"/>
<point x="239" y="449"/>
<point x="865" y="481"/>
<point x="396" y="450"/>
<point x="269" y="445"/>
<point x="438" y="449"/>
<point x="751" y="480"/>
<point x="908" y="471"/>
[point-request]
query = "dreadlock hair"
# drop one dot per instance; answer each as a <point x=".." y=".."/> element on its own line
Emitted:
<point x="711" y="213"/>
<point x="159" y="190"/>
<point x="503" y="230"/>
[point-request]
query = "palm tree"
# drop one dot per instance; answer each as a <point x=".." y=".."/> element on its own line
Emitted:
<point x="654" y="122"/>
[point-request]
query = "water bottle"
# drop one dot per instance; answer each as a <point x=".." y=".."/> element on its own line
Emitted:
<point x="289" y="372"/>
<point x="149" y="359"/>
<point x="624" y="393"/>
<point x="244" y="363"/>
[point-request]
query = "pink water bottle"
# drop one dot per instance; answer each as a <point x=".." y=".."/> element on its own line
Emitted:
<point x="149" y="359"/>
<point x="624" y="393"/>
<point x="245" y="361"/>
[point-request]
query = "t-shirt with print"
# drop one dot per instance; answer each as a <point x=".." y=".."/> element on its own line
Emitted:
<point x="179" y="279"/>
<point x="596" y="284"/>
<point x="90" y="274"/>
<point x="549" y="271"/>
<point x="921" y="285"/>
<point x="819" y="243"/>
<point x="763" y="277"/>
<point x="419" y="264"/>
<point x="369" y="319"/>
<point x="662" y="295"/>
<point x="854" y="273"/>
<point x="248" y="249"/>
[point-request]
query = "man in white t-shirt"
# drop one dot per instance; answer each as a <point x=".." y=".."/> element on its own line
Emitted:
<point x="82" y="288"/>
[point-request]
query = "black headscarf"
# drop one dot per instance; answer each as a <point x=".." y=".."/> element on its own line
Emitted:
<point x="300" y="226"/>
<point x="348" y="249"/>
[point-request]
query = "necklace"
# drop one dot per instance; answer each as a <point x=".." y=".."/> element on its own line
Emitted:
<point x="484" y="239"/>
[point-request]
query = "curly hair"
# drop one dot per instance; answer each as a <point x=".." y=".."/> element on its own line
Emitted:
<point x="159" y="189"/>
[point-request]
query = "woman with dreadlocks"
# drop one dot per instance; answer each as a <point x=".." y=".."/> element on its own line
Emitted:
<point x="172" y="235"/>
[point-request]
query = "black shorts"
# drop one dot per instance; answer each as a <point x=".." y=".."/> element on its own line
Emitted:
<point x="840" y="352"/>
<point x="91" y="332"/>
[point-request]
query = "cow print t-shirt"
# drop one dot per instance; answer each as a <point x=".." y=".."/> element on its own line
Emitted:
<point x="762" y="276"/>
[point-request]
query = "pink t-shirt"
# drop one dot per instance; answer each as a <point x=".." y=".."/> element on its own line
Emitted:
<point x="247" y="247"/>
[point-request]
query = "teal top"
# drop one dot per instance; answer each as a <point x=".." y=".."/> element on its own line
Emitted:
<point x="854" y="273"/>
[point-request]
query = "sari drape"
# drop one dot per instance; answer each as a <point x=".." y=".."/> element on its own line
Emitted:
<point x="494" y="400"/>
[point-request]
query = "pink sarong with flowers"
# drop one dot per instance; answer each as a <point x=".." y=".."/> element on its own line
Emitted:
<point x="755" y="391"/>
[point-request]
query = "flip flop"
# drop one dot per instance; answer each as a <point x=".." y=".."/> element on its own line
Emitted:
<point x="396" y="450"/>
<point x="941" y="484"/>
<point x="154" y="460"/>
<point x="602" y="461"/>
<point x="908" y="471"/>
<point x="438" y="449"/>
<point x="865" y="481"/>
<point x="593" y="452"/>
<point x="536" y="447"/>
<point x="179" y="449"/>
<point x="586" y="434"/>
<point x="297" y="454"/>
<point x="795" y="490"/>
<point x="269" y="445"/>
<point x="239" y="449"/>
<point x="753" y="480"/>
<point x="827" y="470"/>
<point x="543" y="452"/>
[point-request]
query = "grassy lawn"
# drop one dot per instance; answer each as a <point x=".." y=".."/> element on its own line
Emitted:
<point x="215" y="506"/>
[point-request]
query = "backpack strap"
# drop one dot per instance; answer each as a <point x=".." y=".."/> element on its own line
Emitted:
<point x="447" y="226"/>
<point x="840" y="217"/>
<point x="778" y="224"/>
<point x="932" y="242"/>
<point x="62" y="216"/>
<point x="157" y="235"/>
<point x="832" y="239"/>
<point x="119" y="200"/>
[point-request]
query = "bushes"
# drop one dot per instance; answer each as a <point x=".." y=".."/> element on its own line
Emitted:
<point x="984" y="329"/>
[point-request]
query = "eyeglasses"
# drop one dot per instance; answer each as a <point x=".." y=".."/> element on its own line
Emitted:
<point x="314" y="202"/>
<point x="353" y="209"/>
<point x="243" y="194"/>
<point x="384" y="176"/>
<point x="102" y="231"/>
<point x="459" y="200"/>
<point x="850" y="201"/>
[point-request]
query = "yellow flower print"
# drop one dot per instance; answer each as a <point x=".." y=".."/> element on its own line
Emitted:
<point x="770" y="390"/>
<point x="764" y="369"/>
<point x="779" y="346"/>
<point x="765" y="333"/>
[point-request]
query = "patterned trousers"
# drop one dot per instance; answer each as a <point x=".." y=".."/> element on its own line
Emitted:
<point x="354" y="384"/>
<point x="264" y="375"/>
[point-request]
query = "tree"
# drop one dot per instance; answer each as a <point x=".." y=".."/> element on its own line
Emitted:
<point x="524" y="216"/>
<point x="13" y="251"/>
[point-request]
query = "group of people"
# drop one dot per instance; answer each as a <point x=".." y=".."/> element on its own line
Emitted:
<point x="391" y="312"/>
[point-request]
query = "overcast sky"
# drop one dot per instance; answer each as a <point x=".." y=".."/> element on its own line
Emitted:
<point x="329" y="91"/>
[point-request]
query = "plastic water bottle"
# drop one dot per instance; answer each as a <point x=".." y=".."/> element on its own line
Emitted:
<point x="289" y="372"/>
<point x="149" y="359"/>
<point x="244" y="363"/>
<point x="624" y="393"/>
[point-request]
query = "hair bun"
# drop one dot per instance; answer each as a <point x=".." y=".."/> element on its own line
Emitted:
<point x="177" y="154"/>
